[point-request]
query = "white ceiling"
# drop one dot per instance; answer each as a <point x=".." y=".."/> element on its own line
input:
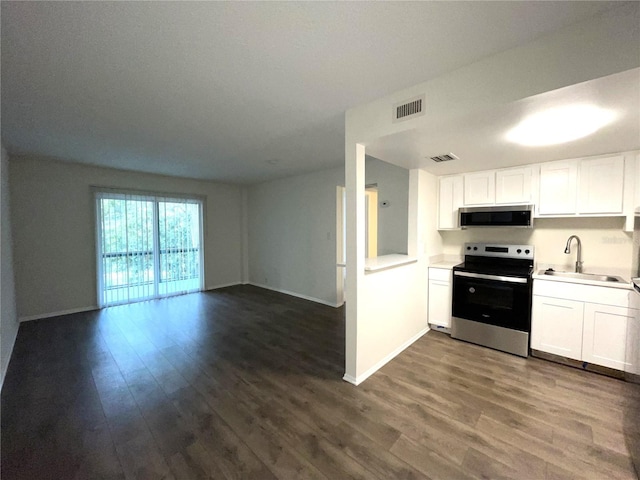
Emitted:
<point x="234" y="91"/>
<point x="479" y="140"/>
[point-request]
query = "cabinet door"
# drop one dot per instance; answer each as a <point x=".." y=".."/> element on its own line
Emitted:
<point x="440" y="303"/>
<point x="513" y="185"/>
<point x="480" y="188"/>
<point x="449" y="200"/>
<point x="601" y="187"/>
<point x="632" y="355"/>
<point x="556" y="326"/>
<point x="558" y="187"/>
<point x="609" y="333"/>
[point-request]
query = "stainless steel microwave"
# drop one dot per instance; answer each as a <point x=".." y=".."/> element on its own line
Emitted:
<point x="498" y="216"/>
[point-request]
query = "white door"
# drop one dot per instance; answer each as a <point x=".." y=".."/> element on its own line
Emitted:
<point x="440" y="303"/>
<point x="558" y="187"/>
<point x="556" y="326"/>
<point x="450" y="198"/>
<point x="513" y="185"/>
<point x="606" y="331"/>
<point x="480" y="188"/>
<point x="601" y="185"/>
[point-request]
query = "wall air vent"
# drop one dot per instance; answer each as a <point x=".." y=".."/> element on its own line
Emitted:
<point x="447" y="157"/>
<point x="408" y="109"/>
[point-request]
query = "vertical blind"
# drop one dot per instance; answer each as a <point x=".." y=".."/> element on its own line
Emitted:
<point x="148" y="246"/>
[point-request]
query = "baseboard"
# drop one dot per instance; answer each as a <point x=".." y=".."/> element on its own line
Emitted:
<point x="294" y="294"/>
<point x="440" y="328"/>
<point x="215" y="287"/>
<point x="361" y="378"/>
<point x="56" y="314"/>
<point x="582" y="365"/>
<point x="224" y="285"/>
<point x="350" y="379"/>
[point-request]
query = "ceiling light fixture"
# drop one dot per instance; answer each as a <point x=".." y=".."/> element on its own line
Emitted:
<point x="560" y="125"/>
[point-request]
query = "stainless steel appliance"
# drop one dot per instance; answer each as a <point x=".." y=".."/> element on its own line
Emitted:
<point x="492" y="293"/>
<point x="498" y="216"/>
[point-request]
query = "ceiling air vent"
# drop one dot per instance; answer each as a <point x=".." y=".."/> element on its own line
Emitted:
<point x="408" y="109"/>
<point x="447" y="157"/>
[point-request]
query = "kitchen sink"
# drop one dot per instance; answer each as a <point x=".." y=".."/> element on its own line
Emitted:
<point x="584" y="276"/>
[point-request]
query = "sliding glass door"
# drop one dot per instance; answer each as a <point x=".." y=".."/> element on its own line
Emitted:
<point x="148" y="246"/>
<point x="179" y="252"/>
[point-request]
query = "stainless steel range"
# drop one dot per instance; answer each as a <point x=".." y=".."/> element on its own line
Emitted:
<point x="492" y="293"/>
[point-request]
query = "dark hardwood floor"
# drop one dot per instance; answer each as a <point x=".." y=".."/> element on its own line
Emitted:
<point x="246" y="383"/>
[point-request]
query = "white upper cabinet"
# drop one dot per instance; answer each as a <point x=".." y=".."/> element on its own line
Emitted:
<point x="591" y="186"/>
<point x="514" y="185"/>
<point x="449" y="200"/>
<point x="558" y="188"/>
<point x="601" y="185"/>
<point x="480" y="188"/>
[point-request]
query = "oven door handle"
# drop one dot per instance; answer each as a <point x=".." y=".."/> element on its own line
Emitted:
<point x="498" y="278"/>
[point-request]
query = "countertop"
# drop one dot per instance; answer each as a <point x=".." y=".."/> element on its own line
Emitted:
<point x="445" y="264"/>
<point x="387" y="261"/>
<point x="384" y="261"/>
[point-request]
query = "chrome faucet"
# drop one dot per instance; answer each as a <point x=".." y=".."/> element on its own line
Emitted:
<point x="579" y="258"/>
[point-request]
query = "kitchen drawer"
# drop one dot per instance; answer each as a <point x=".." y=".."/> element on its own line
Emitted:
<point x="443" y="274"/>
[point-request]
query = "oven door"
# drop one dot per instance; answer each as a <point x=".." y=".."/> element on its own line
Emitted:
<point x="492" y="299"/>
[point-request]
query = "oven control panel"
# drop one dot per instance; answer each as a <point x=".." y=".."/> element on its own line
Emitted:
<point x="499" y="250"/>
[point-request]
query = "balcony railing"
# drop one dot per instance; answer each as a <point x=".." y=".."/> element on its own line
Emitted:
<point x="176" y="264"/>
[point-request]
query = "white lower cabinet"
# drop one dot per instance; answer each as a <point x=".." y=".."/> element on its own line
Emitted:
<point x="556" y="326"/>
<point x="440" y="297"/>
<point x="574" y="326"/>
<point x="605" y="334"/>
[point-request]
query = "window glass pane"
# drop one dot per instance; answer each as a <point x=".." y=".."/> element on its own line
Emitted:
<point x="179" y="232"/>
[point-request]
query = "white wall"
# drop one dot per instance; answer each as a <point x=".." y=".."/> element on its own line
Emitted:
<point x="292" y="235"/>
<point x="8" y="315"/>
<point x="395" y="318"/>
<point x="605" y="247"/>
<point x="393" y="187"/>
<point x="392" y="303"/>
<point x="54" y="230"/>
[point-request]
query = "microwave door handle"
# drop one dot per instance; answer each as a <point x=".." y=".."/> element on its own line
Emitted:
<point x="491" y="277"/>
